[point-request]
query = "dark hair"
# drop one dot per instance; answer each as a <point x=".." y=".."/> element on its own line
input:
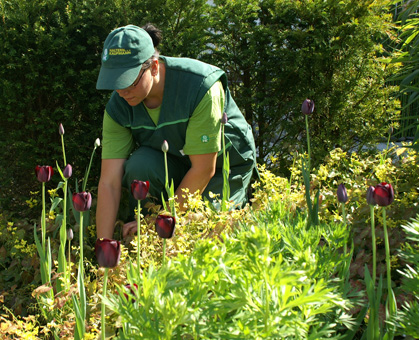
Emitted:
<point x="154" y="33"/>
<point x="156" y="36"/>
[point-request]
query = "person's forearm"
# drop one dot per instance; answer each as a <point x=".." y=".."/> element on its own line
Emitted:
<point x="107" y="210"/>
<point x="194" y="180"/>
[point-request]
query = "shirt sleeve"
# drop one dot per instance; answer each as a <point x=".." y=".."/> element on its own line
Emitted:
<point x="117" y="141"/>
<point x="203" y="134"/>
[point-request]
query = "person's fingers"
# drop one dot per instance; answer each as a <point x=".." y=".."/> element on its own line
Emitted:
<point x="129" y="228"/>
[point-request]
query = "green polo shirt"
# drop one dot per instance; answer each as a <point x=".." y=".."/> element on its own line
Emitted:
<point x="117" y="141"/>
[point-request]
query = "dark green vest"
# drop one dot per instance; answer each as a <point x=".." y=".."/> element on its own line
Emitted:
<point x="186" y="82"/>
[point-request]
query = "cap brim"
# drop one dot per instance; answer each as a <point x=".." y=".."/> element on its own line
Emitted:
<point x="116" y="79"/>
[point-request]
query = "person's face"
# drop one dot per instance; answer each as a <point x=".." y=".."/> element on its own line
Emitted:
<point x="140" y="88"/>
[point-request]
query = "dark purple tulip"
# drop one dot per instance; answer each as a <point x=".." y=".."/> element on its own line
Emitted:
<point x="165" y="146"/>
<point x="342" y="194"/>
<point x="131" y="291"/>
<point x="308" y="107"/>
<point x="68" y="171"/>
<point x="165" y="226"/>
<point x="61" y="129"/>
<point x="108" y="252"/>
<point x="139" y="189"/>
<point x="44" y="173"/>
<point x="224" y="118"/>
<point x="370" y="195"/>
<point x="82" y="201"/>
<point x="383" y="194"/>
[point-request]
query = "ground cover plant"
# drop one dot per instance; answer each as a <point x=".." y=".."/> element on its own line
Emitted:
<point x="268" y="271"/>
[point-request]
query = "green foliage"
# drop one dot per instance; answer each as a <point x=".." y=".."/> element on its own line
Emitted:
<point x="278" y="53"/>
<point x="50" y="53"/>
<point x="408" y="75"/>
<point x="263" y="281"/>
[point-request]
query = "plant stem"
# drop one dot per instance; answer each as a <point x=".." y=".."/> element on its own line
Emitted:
<point x="374" y="255"/>
<point x="308" y="143"/>
<point x="164" y="251"/>
<point x="138" y="236"/>
<point x="81" y="238"/>
<point x="387" y="245"/>
<point x="345" y="247"/>
<point x="69" y="262"/>
<point x="43" y="222"/>
<point x="62" y="143"/>
<point x="105" y="282"/>
<point x="88" y="170"/>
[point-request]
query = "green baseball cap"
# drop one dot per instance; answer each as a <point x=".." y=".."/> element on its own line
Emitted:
<point x="125" y="50"/>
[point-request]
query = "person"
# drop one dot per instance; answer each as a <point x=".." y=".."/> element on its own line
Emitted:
<point x="155" y="99"/>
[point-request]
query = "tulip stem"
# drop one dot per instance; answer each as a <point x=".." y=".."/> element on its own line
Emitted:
<point x="88" y="170"/>
<point x="43" y="222"/>
<point x="374" y="255"/>
<point x="69" y="262"/>
<point x="345" y="248"/>
<point x="387" y="245"/>
<point x="308" y="143"/>
<point x="62" y="143"/>
<point x="164" y="251"/>
<point x="81" y="238"/>
<point x="138" y="235"/>
<point x="103" y="315"/>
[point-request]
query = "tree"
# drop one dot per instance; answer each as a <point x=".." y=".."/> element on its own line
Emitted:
<point x="277" y="53"/>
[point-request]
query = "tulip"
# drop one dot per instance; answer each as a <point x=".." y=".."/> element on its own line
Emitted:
<point x="224" y="118"/>
<point x="82" y="201"/>
<point x="165" y="226"/>
<point x="139" y="189"/>
<point x="70" y="234"/>
<point x="370" y="195"/>
<point x="342" y="194"/>
<point x="129" y="288"/>
<point x="165" y="146"/>
<point x="68" y="171"/>
<point x="108" y="252"/>
<point x="308" y="107"/>
<point x="383" y="194"/>
<point x="44" y="173"/>
<point x="97" y="143"/>
<point x="61" y="129"/>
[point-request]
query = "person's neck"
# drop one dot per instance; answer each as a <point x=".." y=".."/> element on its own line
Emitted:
<point x="155" y="98"/>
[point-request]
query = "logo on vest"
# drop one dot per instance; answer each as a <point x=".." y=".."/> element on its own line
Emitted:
<point x="204" y="139"/>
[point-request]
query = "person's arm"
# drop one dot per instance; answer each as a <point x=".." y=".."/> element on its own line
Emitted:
<point x="198" y="176"/>
<point x="109" y="195"/>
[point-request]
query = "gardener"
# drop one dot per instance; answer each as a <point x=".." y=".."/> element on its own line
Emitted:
<point x="159" y="98"/>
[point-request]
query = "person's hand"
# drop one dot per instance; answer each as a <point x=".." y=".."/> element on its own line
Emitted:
<point x="129" y="229"/>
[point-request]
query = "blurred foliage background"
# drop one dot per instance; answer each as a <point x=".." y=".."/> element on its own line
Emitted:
<point x="275" y="52"/>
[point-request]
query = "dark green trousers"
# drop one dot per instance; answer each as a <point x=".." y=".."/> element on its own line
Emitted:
<point x="147" y="164"/>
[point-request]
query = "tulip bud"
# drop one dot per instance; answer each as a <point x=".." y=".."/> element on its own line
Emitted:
<point x="108" y="252"/>
<point x="61" y="129"/>
<point x="224" y="118"/>
<point x="342" y="194"/>
<point x="165" y="226"/>
<point x="70" y="234"/>
<point x="165" y="146"/>
<point x="68" y="171"/>
<point x="97" y="142"/>
<point x="370" y="195"/>
<point x="44" y="173"/>
<point x="128" y="288"/>
<point x="308" y="107"/>
<point x="82" y="201"/>
<point x="383" y="194"/>
<point x="139" y="189"/>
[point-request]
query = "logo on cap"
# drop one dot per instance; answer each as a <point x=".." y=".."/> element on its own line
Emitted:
<point x="105" y="55"/>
